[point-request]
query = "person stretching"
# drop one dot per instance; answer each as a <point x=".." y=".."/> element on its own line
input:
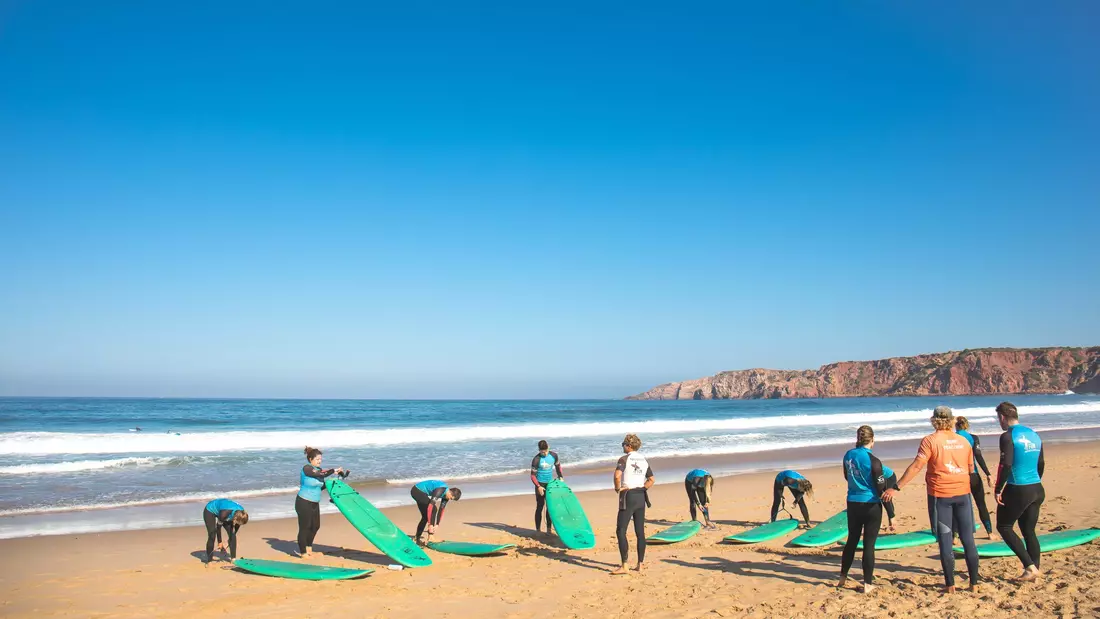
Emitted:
<point x="866" y="481"/>
<point x="1019" y="489"/>
<point x="700" y="489"/>
<point x="633" y="477"/>
<point x="545" y="467"/>
<point x="223" y="514"/>
<point x="431" y="498"/>
<point x="800" y="488"/>
<point x="977" y="490"/>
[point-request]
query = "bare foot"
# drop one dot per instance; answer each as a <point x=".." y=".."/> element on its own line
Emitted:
<point x="891" y="529"/>
<point x="950" y="589"/>
<point x="868" y="588"/>
<point x="639" y="568"/>
<point x="973" y="589"/>
<point x="843" y="581"/>
<point x="619" y="571"/>
<point x="993" y="536"/>
<point x="1030" y="573"/>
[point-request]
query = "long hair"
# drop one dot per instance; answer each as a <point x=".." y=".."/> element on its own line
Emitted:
<point x="962" y="423"/>
<point x="864" y="436"/>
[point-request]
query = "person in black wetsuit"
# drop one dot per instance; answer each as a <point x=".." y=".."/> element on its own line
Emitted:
<point x="800" y="488"/>
<point x="866" y="483"/>
<point x="223" y="514"/>
<point x="1019" y="489"/>
<point x="307" y="505"/>
<point x="633" y="477"/>
<point x="977" y="490"/>
<point x="545" y="467"/>
<point x="431" y="498"/>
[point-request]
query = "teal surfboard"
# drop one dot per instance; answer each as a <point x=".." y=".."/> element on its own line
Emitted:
<point x="765" y="532"/>
<point x="906" y="540"/>
<point x="570" y="522"/>
<point x="301" y="571"/>
<point x="676" y="533"/>
<point x="829" y="532"/>
<point x="374" y="525"/>
<point x="1047" y="542"/>
<point x="469" y="549"/>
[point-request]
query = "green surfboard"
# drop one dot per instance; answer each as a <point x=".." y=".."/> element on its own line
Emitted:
<point x="906" y="540"/>
<point x="568" y="517"/>
<point x="374" y="525"/>
<point x="829" y="532"/>
<point x="1047" y="542"/>
<point x="676" y="533"/>
<point x="765" y="532"/>
<point x="301" y="571"/>
<point x="469" y="549"/>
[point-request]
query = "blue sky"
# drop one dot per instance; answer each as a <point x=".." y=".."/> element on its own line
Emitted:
<point x="498" y="200"/>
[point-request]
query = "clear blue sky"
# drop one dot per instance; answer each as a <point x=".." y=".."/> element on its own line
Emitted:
<point x="494" y="200"/>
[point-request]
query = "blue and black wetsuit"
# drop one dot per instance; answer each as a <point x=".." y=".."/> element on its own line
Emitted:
<point x="217" y="515"/>
<point x="891" y="482"/>
<point x="789" y="479"/>
<point x="1019" y="483"/>
<point x="977" y="488"/>
<point x="544" y="469"/>
<point x="695" y="484"/>
<point x="866" y="483"/>
<point x="308" y="504"/>
<point x="431" y="499"/>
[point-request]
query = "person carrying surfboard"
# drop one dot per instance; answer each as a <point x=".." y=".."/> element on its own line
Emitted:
<point x="950" y="460"/>
<point x="633" y="477"/>
<point x="545" y="467"/>
<point x="307" y="505"/>
<point x="800" y="488"/>
<point x="866" y="481"/>
<point x="1019" y="488"/>
<point x="700" y="488"/>
<point x="223" y="514"/>
<point x="431" y="498"/>
<point x="977" y="490"/>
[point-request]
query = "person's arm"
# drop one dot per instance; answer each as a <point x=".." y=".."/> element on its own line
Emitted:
<point x="619" y="474"/>
<point x="535" y="471"/>
<point x="557" y="465"/>
<point x="649" y="478"/>
<point x="231" y="530"/>
<point x="911" y="471"/>
<point x="805" y="510"/>
<point x="316" y="473"/>
<point x="435" y="516"/>
<point x="1007" y="455"/>
<point x="979" y="458"/>
<point x="1042" y="462"/>
<point x="878" y="477"/>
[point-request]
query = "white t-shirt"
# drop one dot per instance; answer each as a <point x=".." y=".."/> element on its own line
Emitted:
<point x="635" y="469"/>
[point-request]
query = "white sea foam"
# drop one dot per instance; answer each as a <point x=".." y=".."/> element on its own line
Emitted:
<point x="175" y="498"/>
<point x="47" y="443"/>
<point x="79" y="466"/>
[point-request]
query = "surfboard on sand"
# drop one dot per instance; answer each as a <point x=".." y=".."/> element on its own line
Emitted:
<point x="1047" y="542"/>
<point x="374" y="525"/>
<point x="765" y="532"/>
<point x="570" y="522"/>
<point x="469" y="549"/>
<point x="301" y="571"/>
<point x="829" y="532"/>
<point x="676" y="533"/>
<point x="907" y="540"/>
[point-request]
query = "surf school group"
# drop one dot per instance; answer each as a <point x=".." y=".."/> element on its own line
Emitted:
<point x="950" y="456"/>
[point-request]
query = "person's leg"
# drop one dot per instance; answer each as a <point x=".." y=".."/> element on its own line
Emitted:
<point x="690" y="489"/>
<point x="639" y="529"/>
<point x="800" y="498"/>
<point x="314" y="522"/>
<point x="549" y="523"/>
<point x="963" y="514"/>
<point x="621" y="520"/>
<point x="1028" y="521"/>
<point x="301" y="508"/>
<point x="939" y="515"/>
<point x="977" y="490"/>
<point x="540" y="504"/>
<point x="211" y="522"/>
<point x="777" y="496"/>
<point x="1007" y="514"/>
<point x="856" y="516"/>
<point x="870" y="536"/>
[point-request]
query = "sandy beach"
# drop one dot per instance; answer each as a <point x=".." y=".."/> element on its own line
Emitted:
<point x="160" y="572"/>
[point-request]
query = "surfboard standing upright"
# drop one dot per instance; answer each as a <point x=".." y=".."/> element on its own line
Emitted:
<point x="374" y="525"/>
<point x="568" y="517"/>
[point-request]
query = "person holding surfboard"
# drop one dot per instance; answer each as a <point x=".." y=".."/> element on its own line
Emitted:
<point x="431" y="498"/>
<point x="307" y="505"/>
<point x="977" y="490"/>
<point x="1019" y="488"/>
<point x="633" y="477"/>
<point x="866" y="481"/>
<point x="949" y="460"/>
<point x="700" y="487"/>
<point x="223" y="514"/>
<point x="800" y="488"/>
<point x="545" y="468"/>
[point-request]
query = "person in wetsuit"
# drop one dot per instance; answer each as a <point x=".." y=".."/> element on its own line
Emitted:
<point x="949" y="459"/>
<point x="307" y="504"/>
<point x="633" y="477"/>
<point x="891" y="482"/>
<point x="866" y="481"/>
<point x="1019" y="488"/>
<point x="977" y="490"/>
<point x="431" y="498"/>
<point x="799" y="486"/>
<point x="545" y="467"/>
<point x="223" y="514"/>
<point x="700" y="488"/>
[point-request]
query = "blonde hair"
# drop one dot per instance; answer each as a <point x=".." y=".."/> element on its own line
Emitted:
<point x="632" y="441"/>
<point x="962" y="423"/>
<point x="864" y="436"/>
<point x="940" y="423"/>
<point x="240" y="518"/>
<point x="805" y="487"/>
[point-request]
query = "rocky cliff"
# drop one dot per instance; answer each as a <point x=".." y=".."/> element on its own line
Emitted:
<point x="967" y="372"/>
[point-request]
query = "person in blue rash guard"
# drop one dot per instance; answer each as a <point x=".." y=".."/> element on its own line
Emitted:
<point x="977" y="490"/>
<point x="431" y="498"/>
<point x="866" y="482"/>
<point x="1019" y="488"/>
<point x="891" y="482"/>
<point x="223" y="514"/>
<point x="700" y="489"/>
<point x="799" y="486"/>
<point x="545" y="467"/>
<point x="307" y="504"/>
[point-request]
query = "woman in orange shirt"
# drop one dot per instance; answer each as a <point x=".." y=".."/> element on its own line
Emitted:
<point x="949" y="459"/>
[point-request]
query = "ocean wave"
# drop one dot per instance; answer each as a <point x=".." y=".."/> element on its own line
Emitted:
<point x="80" y="466"/>
<point x="49" y="443"/>
<point x="175" y="498"/>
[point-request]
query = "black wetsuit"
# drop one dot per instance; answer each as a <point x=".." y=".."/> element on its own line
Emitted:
<point x="308" y="504"/>
<point x="977" y="488"/>
<point x="785" y="481"/>
<point x="215" y="522"/>
<point x="544" y="469"/>
<point x="632" y="504"/>
<point x="431" y="500"/>
<point x="1019" y="483"/>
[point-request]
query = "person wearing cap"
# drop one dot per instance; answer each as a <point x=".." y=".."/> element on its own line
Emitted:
<point x="950" y="460"/>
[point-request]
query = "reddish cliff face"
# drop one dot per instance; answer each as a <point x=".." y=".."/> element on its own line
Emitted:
<point x="969" y="372"/>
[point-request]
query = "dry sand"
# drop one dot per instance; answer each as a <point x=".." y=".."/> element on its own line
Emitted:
<point x="160" y="572"/>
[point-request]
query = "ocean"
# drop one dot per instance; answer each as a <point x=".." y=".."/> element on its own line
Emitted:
<point x="73" y="465"/>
